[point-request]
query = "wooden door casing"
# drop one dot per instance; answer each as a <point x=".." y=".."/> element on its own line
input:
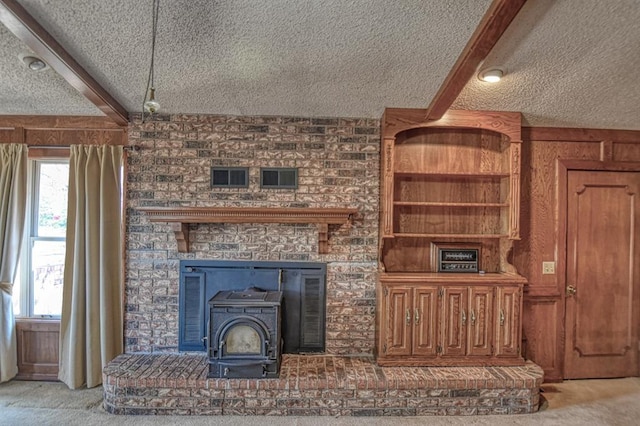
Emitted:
<point x="602" y="281"/>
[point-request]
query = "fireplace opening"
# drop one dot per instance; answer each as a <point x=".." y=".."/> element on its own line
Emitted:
<point x="302" y="312"/>
<point x="245" y="339"/>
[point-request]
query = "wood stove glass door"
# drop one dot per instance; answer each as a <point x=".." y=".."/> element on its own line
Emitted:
<point x="243" y="340"/>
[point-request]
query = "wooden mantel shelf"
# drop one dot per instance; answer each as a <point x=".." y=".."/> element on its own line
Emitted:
<point x="180" y="217"/>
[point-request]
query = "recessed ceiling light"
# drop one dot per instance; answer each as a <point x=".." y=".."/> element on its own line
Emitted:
<point x="33" y="62"/>
<point x="491" y="75"/>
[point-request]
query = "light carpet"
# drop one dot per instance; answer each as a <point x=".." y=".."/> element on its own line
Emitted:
<point x="576" y="402"/>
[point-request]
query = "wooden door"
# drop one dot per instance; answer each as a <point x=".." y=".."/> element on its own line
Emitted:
<point x="480" y="324"/>
<point x="507" y="322"/>
<point x="425" y="340"/>
<point x="603" y="274"/>
<point x="454" y="321"/>
<point x="399" y="321"/>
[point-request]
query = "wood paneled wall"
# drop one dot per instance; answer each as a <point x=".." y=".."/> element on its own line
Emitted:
<point x="60" y="131"/>
<point x="38" y="349"/>
<point x="542" y="148"/>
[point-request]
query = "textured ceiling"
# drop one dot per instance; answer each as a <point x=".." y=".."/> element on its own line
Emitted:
<point x="570" y="63"/>
<point x="26" y="92"/>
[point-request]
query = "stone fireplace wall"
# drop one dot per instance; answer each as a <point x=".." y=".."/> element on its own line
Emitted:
<point x="338" y="166"/>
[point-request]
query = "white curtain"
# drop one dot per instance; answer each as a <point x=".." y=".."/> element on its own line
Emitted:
<point x="91" y="325"/>
<point x="13" y="198"/>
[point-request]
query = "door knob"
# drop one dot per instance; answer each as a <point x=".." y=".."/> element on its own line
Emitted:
<point x="571" y="290"/>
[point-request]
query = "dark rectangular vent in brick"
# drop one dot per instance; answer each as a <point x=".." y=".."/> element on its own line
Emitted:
<point x="230" y="177"/>
<point x="312" y="312"/>
<point x="278" y="178"/>
<point x="192" y="328"/>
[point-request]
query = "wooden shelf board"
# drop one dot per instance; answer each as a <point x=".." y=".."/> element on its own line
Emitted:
<point x="418" y="174"/>
<point x="468" y="236"/>
<point x="180" y="217"/>
<point x="445" y="204"/>
<point x="452" y="277"/>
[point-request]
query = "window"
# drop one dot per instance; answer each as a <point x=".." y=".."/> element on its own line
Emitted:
<point x="278" y="178"/>
<point x="229" y="177"/>
<point x="38" y="289"/>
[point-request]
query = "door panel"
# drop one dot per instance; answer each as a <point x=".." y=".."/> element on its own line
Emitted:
<point x="38" y="349"/>
<point x="480" y="323"/>
<point x="398" y="325"/>
<point x="454" y="321"/>
<point x="603" y="227"/>
<point x="425" y="328"/>
<point x="508" y="328"/>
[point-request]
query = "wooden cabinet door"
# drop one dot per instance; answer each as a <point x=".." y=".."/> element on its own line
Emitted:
<point x="454" y="321"/>
<point x="602" y="318"/>
<point x="480" y="322"/>
<point x="507" y="321"/>
<point x="425" y="321"/>
<point x="38" y="349"/>
<point x="398" y="306"/>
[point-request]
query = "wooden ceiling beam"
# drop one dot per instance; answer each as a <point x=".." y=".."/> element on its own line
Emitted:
<point x="494" y="23"/>
<point x="26" y="28"/>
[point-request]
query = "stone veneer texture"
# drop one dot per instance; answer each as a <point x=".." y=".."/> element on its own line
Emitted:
<point x="322" y="385"/>
<point x="338" y="166"/>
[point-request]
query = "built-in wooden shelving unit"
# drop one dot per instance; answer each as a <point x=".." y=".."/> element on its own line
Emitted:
<point x="180" y="217"/>
<point x="453" y="182"/>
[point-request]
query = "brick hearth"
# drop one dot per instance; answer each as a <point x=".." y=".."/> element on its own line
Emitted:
<point x="317" y="386"/>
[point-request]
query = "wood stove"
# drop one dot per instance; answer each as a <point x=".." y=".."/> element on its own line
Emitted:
<point x="245" y="334"/>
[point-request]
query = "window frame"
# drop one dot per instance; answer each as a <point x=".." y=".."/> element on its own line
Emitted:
<point x="229" y="170"/>
<point x="37" y="157"/>
<point x="279" y="170"/>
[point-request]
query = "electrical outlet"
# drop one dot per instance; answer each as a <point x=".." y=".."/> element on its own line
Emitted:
<point x="548" y="267"/>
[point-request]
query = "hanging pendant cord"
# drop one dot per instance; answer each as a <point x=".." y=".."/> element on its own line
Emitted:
<point x="154" y="29"/>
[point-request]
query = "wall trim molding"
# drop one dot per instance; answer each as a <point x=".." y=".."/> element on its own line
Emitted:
<point x="568" y="134"/>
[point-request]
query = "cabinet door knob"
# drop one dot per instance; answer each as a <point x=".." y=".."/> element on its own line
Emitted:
<point x="501" y="317"/>
<point x="473" y="317"/>
<point x="464" y="317"/>
<point x="417" y="316"/>
<point x="571" y="290"/>
<point x="408" y="317"/>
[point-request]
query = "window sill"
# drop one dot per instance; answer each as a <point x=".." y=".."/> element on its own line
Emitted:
<point x="37" y="319"/>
